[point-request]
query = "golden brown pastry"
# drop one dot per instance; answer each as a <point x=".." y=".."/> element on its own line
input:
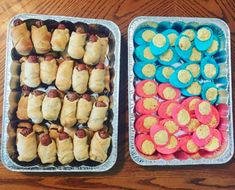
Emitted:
<point x="97" y="78"/>
<point x="69" y="108"/>
<point x="60" y="38"/>
<point x="92" y="51"/>
<point x="41" y="37"/>
<point x="47" y="149"/>
<point x="30" y="72"/>
<point x="39" y="130"/>
<point x="80" y="145"/>
<point x="21" y="38"/>
<point x="99" y="146"/>
<point x="104" y="47"/>
<point x="84" y="108"/>
<point x="64" y="75"/>
<point x="54" y="130"/>
<point x="34" y="108"/>
<point x="80" y="78"/>
<point x="48" y="69"/>
<point x="64" y="148"/>
<point x="98" y="114"/>
<point x="51" y="105"/>
<point x="26" y="144"/>
<point x="76" y="43"/>
<point x="21" y="112"/>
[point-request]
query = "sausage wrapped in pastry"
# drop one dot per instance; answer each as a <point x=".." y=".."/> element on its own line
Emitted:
<point x="26" y="144"/>
<point x="76" y="43"/>
<point x="93" y="51"/>
<point x="34" y="108"/>
<point x="97" y="78"/>
<point x="80" y="78"/>
<point x="39" y="130"/>
<point x="21" y="37"/>
<point x="98" y="115"/>
<point x="80" y="145"/>
<point x="51" y="105"/>
<point x="64" y="148"/>
<point x="21" y="112"/>
<point x="69" y="108"/>
<point x="84" y="108"/>
<point x="47" y="149"/>
<point x="54" y="130"/>
<point x="99" y="146"/>
<point x="48" y="69"/>
<point x="30" y="71"/>
<point x="60" y="38"/>
<point x="104" y="47"/>
<point x="41" y="38"/>
<point x="64" y="75"/>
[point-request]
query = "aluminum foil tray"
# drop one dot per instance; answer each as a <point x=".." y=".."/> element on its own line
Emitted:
<point x="8" y="148"/>
<point x="222" y="31"/>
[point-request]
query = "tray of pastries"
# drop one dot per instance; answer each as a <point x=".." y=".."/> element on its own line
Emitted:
<point x="60" y="109"/>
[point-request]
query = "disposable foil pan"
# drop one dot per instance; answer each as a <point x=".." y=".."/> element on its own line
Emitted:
<point x="224" y="35"/>
<point x="8" y="145"/>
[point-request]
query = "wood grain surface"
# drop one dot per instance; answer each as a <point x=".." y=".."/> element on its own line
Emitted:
<point x="125" y="174"/>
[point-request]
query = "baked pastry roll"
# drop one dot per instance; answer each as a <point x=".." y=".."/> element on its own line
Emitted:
<point x="48" y="69"/>
<point x="99" y="146"/>
<point x="84" y="108"/>
<point x="104" y="47"/>
<point x="39" y="130"/>
<point x="54" y="130"/>
<point x="92" y="51"/>
<point x="76" y="43"/>
<point x="60" y="38"/>
<point x="69" y="108"/>
<point x="97" y="78"/>
<point x="30" y="72"/>
<point x="80" y="145"/>
<point x="64" y="75"/>
<point x="41" y="37"/>
<point x="34" y="108"/>
<point x="21" y="38"/>
<point x="26" y="144"/>
<point x="80" y="78"/>
<point x="98" y="114"/>
<point x="64" y="148"/>
<point x="51" y="105"/>
<point x="21" y="112"/>
<point x="47" y="149"/>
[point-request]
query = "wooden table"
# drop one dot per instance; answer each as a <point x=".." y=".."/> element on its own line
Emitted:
<point x="125" y="174"/>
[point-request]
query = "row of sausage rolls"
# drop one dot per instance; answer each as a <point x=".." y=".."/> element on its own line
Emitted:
<point x="92" y="52"/>
<point x="32" y="142"/>
<point x="37" y="105"/>
<point x="65" y="75"/>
